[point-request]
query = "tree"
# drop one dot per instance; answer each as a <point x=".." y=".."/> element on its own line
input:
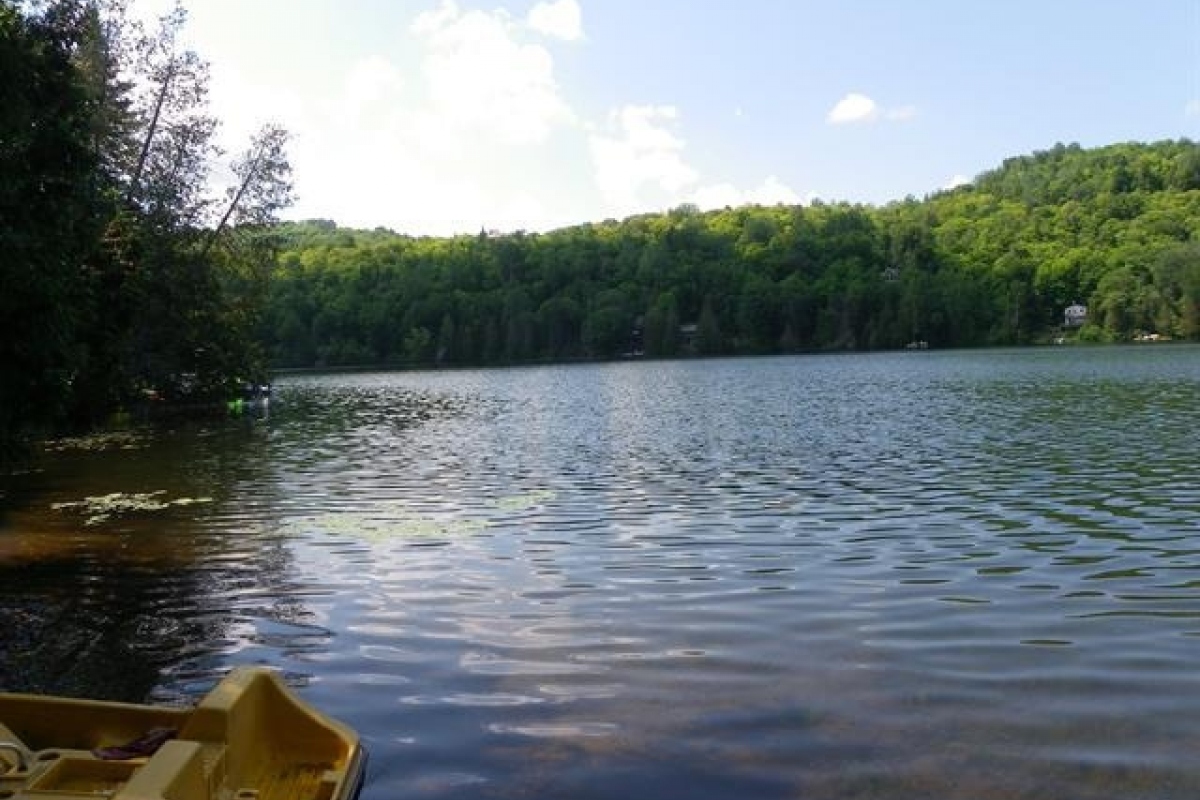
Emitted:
<point x="662" y="326"/>
<point x="50" y="204"/>
<point x="1176" y="273"/>
<point x="445" y="341"/>
<point x="172" y="130"/>
<point x="560" y="320"/>
<point x="263" y="185"/>
<point x="169" y="309"/>
<point x="708" y="330"/>
<point x="518" y="326"/>
<point x="1186" y="172"/>
<point x="606" y="332"/>
<point x="757" y="314"/>
<point x="418" y="345"/>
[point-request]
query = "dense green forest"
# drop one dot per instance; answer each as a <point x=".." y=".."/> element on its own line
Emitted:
<point x="127" y="280"/>
<point x="992" y="263"/>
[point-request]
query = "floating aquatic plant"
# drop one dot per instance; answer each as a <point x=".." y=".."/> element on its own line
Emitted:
<point x="372" y="528"/>
<point x="520" y="502"/>
<point x="397" y="521"/>
<point x="95" y="442"/>
<point x="101" y="508"/>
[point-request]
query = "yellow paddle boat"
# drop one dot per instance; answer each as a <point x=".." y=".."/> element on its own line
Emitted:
<point x="250" y="738"/>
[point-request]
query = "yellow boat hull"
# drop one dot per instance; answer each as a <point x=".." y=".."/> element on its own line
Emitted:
<point x="248" y="739"/>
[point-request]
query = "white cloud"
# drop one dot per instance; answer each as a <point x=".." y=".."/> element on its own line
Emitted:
<point x="859" y="108"/>
<point x="461" y="124"/>
<point x="956" y="181"/>
<point x="1192" y="109"/>
<point x="452" y="146"/>
<point x="561" y="20"/>
<point x="430" y="21"/>
<point x="373" y="84"/>
<point x="771" y="191"/>
<point x="639" y="164"/>
<point x="480" y="76"/>
<point x="853" y="107"/>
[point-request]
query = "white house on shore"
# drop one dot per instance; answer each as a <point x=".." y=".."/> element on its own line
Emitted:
<point x="1075" y="315"/>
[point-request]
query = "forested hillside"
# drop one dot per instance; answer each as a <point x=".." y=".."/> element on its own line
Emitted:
<point x="993" y="263"/>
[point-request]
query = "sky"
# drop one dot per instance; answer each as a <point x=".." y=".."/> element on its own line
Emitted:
<point x="438" y="117"/>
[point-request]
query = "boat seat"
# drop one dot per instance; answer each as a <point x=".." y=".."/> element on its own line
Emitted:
<point x="275" y="748"/>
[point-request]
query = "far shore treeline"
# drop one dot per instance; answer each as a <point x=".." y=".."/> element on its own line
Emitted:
<point x="126" y="281"/>
<point x="1115" y="229"/>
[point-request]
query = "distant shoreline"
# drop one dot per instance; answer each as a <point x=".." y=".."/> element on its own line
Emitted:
<point x="414" y="367"/>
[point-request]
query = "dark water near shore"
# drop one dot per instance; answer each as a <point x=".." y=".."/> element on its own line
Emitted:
<point x="919" y="575"/>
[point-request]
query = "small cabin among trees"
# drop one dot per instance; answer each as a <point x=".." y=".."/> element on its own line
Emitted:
<point x="1075" y="315"/>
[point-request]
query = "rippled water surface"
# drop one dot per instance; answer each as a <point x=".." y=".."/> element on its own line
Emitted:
<point x="920" y="575"/>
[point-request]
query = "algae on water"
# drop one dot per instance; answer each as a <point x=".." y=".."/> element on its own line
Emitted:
<point x="101" y="508"/>
<point x="397" y="521"/>
<point x="96" y="442"/>
<point x="520" y="502"/>
<point x="372" y="528"/>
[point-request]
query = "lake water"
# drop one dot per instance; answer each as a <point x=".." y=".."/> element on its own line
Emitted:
<point x="921" y="575"/>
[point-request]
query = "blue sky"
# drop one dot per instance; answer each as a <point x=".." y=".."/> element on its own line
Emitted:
<point x="445" y="116"/>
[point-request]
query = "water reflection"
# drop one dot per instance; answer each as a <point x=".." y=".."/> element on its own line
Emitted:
<point x="126" y="557"/>
<point x="921" y="575"/>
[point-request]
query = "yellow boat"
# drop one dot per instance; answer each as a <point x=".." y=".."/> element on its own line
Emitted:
<point x="250" y="738"/>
